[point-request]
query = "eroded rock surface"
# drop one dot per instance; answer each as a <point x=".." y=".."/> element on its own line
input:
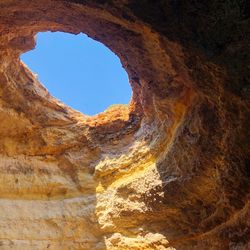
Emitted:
<point x="168" y="172"/>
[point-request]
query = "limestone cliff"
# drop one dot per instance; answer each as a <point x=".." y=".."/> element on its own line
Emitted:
<point x="168" y="172"/>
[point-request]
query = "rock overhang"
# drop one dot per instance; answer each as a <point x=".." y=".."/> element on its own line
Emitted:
<point x="167" y="171"/>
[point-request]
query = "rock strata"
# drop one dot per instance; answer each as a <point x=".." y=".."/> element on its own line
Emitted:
<point x="170" y="171"/>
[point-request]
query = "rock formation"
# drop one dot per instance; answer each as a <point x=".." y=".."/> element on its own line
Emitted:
<point x="168" y="172"/>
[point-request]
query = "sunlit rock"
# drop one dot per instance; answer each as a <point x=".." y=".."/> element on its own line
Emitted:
<point x="167" y="172"/>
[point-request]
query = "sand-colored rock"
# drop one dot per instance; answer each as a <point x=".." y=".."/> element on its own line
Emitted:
<point x="167" y="172"/>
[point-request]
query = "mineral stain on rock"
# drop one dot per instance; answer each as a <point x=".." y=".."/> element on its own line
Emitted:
<point x="168" y="171"/>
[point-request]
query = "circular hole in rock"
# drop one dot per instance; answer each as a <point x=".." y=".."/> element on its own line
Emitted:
<point x="79" y="71"/>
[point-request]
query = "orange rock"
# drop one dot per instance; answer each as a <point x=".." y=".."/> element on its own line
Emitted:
<point x="168" y="171"/>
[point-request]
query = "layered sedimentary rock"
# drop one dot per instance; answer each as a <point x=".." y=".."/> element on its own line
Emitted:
<point x="168" y="172"/>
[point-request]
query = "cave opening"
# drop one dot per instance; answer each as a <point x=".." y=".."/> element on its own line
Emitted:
<point x="79" y="71"/>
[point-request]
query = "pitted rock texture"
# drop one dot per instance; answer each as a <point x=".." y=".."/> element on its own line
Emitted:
<point x="168" y="172"/>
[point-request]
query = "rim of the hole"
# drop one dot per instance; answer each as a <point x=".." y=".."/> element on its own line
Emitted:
<point x="129" y="108"/>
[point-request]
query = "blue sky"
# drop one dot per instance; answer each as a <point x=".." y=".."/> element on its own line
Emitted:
<point x="79" y="71"/>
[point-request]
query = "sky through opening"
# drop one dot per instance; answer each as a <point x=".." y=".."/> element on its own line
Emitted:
<point x="79" y="71"/>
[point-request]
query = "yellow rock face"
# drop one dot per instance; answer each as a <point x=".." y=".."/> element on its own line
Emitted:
<point x="167" y="172"/>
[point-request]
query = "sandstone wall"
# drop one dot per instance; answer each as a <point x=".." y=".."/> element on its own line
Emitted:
<point x="168" y="172"/>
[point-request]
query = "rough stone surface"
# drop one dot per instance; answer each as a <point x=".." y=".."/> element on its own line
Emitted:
<point x="168" y="172"/>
